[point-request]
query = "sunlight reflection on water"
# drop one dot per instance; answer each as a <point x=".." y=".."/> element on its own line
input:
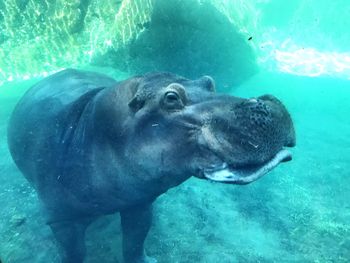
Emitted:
<point x="306" y="61"/>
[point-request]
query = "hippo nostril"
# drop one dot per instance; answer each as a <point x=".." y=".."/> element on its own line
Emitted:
<point x="253" y="100"/>
<point x="268" y="97"/>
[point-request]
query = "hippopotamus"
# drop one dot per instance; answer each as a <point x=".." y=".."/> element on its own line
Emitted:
<point x="91" y="146"/>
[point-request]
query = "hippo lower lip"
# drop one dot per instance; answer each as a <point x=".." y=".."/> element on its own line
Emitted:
<point x="245" y="175"/>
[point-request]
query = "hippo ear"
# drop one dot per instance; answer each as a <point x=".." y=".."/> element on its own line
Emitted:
<point x="208" y="83"/>
<point x="132" y="86"/>
<point x="136" y="103"/>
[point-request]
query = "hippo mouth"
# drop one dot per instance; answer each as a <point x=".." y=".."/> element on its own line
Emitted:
<point x="224" y="173"/>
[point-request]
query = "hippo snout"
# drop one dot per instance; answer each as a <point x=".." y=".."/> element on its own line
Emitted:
<point x="249" y="136"/>
<point x="276" y="107"/>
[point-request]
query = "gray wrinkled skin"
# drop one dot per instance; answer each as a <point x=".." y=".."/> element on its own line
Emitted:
<point x="92" y="146"/>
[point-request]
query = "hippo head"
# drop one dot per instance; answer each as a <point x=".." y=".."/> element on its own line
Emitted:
<point x="177" y="128"/>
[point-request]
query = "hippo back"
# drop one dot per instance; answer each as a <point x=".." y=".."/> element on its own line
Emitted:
<point x="45" y="112"/>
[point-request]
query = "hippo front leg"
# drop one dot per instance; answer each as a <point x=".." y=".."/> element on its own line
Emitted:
<point x="70" y="236"/>
<point x="136" y="223"/>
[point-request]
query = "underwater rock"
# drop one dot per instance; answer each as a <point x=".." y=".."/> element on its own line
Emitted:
<point x="190" y="38"/>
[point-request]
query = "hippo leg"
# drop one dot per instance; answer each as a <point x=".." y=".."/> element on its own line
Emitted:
<point x="70" y="236"/>
<point x="136" y="223"/>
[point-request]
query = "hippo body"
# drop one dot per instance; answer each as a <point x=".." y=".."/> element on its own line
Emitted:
<point x="92" y="146"/>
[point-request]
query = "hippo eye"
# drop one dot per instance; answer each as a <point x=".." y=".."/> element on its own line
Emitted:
<point x="171" y="96"/>
<point x="172" y="100"/>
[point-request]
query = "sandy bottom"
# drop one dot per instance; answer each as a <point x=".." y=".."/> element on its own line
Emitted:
<point x="300" y="212"/>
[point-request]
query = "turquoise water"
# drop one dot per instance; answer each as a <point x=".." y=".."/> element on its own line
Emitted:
<point x="299" y="212"/>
